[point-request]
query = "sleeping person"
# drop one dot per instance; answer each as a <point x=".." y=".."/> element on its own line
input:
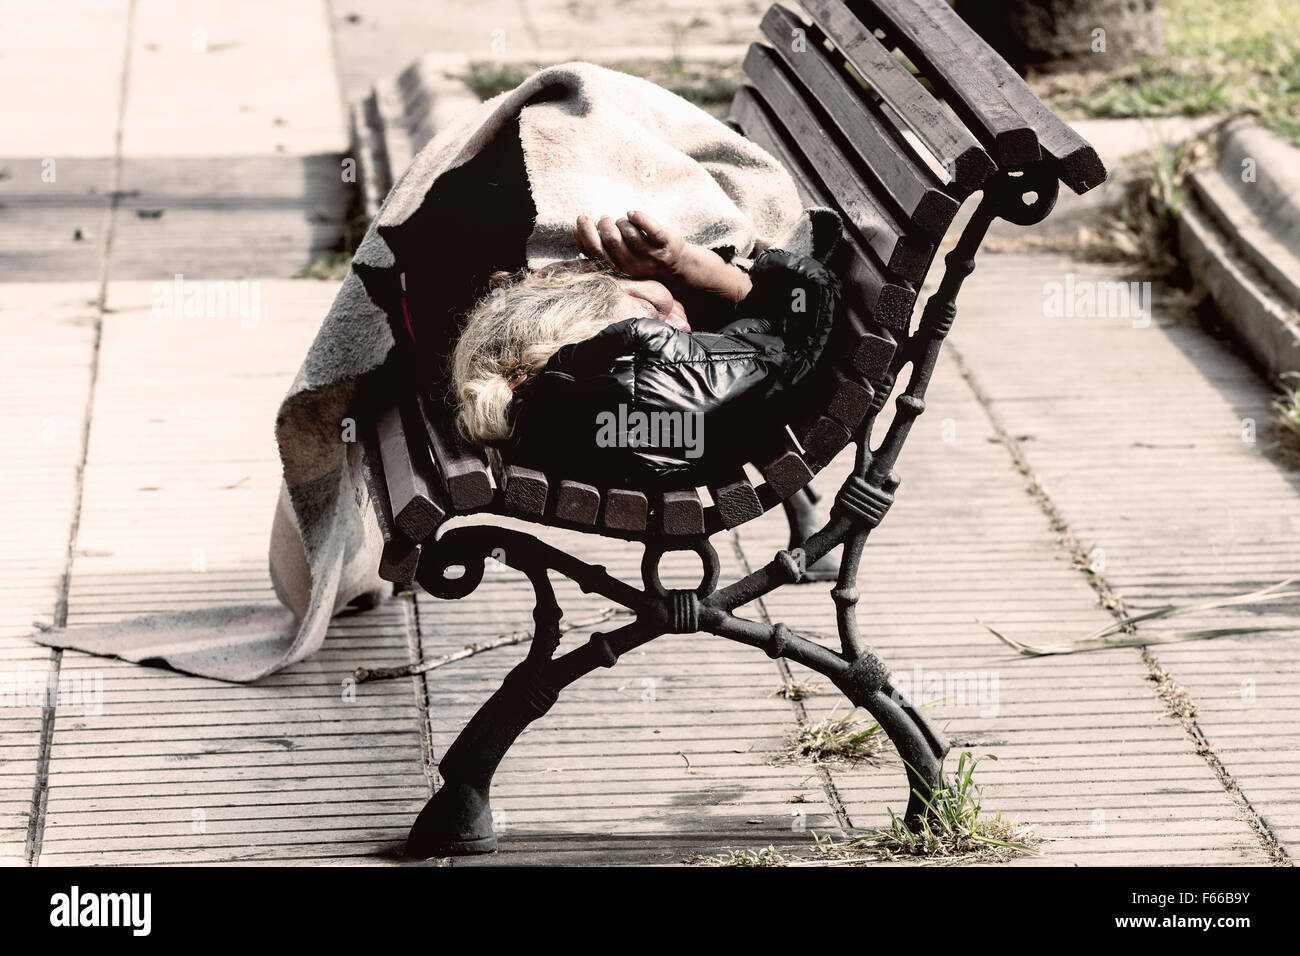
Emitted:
<point x="594" y="367"/>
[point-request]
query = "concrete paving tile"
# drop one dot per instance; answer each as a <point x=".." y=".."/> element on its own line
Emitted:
<point x="214" y="79"/>
<point x="181" y="480"/>
<point x="1177" y="487"/>
<point x="47" y="343"/>
<point x="67" y="60"/>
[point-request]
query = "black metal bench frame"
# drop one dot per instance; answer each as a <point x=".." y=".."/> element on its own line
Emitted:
<point x="846" y="149"/>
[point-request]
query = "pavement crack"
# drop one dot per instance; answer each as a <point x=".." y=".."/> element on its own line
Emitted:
<point x="41" y="786"/>
<point x="1180" y="706"/>
<point x="832" y="792"/>
<point x="1177" y="701"/>
<point x="415" y="652"/>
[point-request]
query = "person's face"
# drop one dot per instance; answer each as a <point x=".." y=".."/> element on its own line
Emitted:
<point x="650" y="299"/>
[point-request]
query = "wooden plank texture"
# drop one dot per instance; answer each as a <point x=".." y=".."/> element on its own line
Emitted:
<point x="408" y="473"/>
<point x="464" y="468"/>
<point x="948" y="52"/>
<point x="682" y="512"/>
<point x="883" y="296"/>
<point x="955" y="147"/>
<point x="902" y="254"/>
<point x="905" y="181"/>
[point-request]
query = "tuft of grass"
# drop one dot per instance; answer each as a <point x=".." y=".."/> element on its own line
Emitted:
<point x="486" y="79"/>
<point x="326" y="265"/>
<point x="797" y="690"/>
<point x="956" y="830"/>
<point x="769" y="856"/>
<point x="956" y="823"/>
<point x="1220" y="56"/>
<point x="1146" y="231"/>
<point x="842" y="739"/>
<point x="1288" y="409"/>
<point x="706" y="85"/>
<point x="710" y="86"/>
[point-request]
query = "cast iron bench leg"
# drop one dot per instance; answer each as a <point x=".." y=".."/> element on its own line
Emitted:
<point x="801" y="512"/>
<point x="457" y="820"/>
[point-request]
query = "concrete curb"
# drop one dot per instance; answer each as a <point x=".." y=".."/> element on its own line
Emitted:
<point x="1237" y="233"/>
<point x="1267" y="329"/>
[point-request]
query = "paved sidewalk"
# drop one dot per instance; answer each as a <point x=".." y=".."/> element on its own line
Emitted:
<point x="141" y="475"/>
<point x="674" y="751"/>
<point x="152" y="138"/>
<point x="379" y="37"/>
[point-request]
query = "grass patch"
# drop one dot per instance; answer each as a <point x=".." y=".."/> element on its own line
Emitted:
<point x="768" y="856"/>
<point x="710" y="86"/>
<point x="1221" y="56"/>
<point x="797" y="690"/>
<point x="956" y="830"/>
<point x="486" y="79"/>
<point x="955" y="826"/>
<point x="845" y="739"/>
<point x="326" y="265"/>
<point x="1288" y="410"/>
<point x="1147" y="229"/>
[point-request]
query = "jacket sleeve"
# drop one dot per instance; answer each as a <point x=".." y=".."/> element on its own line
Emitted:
<point x="597" y="354"/>
<point x="794" y="297"/>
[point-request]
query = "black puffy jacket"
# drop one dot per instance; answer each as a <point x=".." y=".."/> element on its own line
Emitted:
<point x="643" y="405"/>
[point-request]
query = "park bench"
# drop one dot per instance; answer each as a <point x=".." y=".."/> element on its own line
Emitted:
<point x="893" y="113"/>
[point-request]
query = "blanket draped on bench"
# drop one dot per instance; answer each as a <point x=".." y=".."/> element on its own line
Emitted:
<point x="594" y="141"/>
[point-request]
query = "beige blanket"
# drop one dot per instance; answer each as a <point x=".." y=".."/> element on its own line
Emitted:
<point x="593" y="140"/>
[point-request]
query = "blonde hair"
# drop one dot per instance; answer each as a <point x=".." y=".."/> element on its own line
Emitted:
<point x="511" y="333"/>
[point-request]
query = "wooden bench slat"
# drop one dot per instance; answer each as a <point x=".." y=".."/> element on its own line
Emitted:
<point x="901" y="253"/>
<point x="577" y="502"/>
<point x="626" y="510"/>
<point x="905" y="181"/>
<point x="399" y="561"/>
<point x="822" y="439"/>
<point x="400" y="556"/>
<point x="1074" y="160"/>
<point x="782" y="467"/>
<point x="408" y="473"/>
<point x="751" y="115"/>
<point x="955" y="147"/>
<point x="682" y="512"/>
<point x="868" y="353"/>
<point x="848" y="399"/>
<point x="735" y="498"/>
<point x="867" y="284"/>
<point x="525" y="491"/>
<point x="464" y="468"/>
<point x="948" y="52"/>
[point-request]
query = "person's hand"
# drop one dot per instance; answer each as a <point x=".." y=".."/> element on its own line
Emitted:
<point x="638" y="245"/>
